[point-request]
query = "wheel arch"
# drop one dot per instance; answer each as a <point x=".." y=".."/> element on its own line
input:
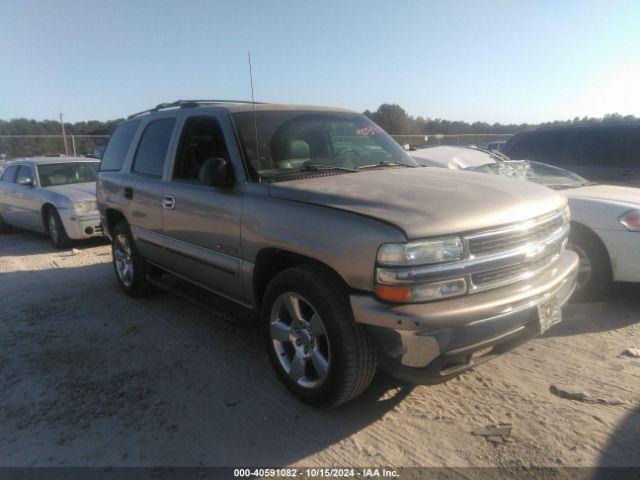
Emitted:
<point x="44" y="211"/>
<point x="113" y="217"/>
<point x="271" y="261"/>
<point x="578" y="228"/>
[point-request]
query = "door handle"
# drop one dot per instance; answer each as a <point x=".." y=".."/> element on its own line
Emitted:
<point x="627" y="173"/>
<point x="168" y="202"/>
<point x="128" y="192"/>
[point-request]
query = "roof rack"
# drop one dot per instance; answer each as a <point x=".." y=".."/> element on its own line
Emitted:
<point x="187" y="104"/>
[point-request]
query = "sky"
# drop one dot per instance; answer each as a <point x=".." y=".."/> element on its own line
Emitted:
<point x="509" y="61"/>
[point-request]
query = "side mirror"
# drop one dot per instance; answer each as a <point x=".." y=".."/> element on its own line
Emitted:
<point x="216" y="172"/>
<point x="27" y="181"/>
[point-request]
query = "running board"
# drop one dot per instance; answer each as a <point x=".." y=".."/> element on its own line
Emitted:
<point x="215" y="305"/>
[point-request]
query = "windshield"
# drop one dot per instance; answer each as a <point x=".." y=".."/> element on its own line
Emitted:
<point x="293" y="142"/>
<point x="66" y="173"/>
<point x="547" y="175"/>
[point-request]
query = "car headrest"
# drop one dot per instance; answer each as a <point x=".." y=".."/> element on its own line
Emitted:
<point x="297" y="149"/>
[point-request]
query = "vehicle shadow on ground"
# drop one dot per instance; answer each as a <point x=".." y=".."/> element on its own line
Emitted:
<point x="93" y="377"/>
<point x="619" y="307"/>
<point x="621" y="451"/>
<point x="14" y="243"/>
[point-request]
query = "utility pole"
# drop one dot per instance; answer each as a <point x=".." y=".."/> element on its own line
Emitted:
<point x="64" y="137"/>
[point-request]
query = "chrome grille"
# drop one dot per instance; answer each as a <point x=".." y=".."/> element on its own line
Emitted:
<point x="512" y="273"/>
<point x="498" y="241"/>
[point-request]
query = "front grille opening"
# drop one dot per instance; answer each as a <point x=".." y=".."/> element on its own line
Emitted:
<point x="513" y="271"/>
<point x="504" y="241"/>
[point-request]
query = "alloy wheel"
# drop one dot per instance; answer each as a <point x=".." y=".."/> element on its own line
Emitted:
<point x="300" y="340"/>
<point x="584" y="267"/>
<point x="53" y="229"/>
<point x="122" y="259"/>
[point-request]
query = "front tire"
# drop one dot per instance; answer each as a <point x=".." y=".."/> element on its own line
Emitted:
<point x="128" y="263"/>
<point x="57" y="233"/>
<point x="4" y="227"/>
<point x="318" y="351"/>
<point x="594" y="271"/>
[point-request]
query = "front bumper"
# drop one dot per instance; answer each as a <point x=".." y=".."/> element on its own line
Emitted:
<point x="79" y="227"/>
<point x="432" y="342"/>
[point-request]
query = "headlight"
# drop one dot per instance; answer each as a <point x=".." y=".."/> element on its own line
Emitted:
<point x="423" y="292"/>
<point x="421" y="253"/>
<point x="85" y="206"/>
<point x="631" y="220"/>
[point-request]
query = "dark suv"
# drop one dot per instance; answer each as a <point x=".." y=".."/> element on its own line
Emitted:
<point x="600" y="153"/>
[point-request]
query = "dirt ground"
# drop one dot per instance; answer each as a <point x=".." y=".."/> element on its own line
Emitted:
<point x="91" y="377"/>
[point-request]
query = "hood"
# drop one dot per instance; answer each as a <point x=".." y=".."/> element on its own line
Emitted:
<point x="426" y="202"/>
<point x="606" y="193"/>
<point x="75" y="191"/>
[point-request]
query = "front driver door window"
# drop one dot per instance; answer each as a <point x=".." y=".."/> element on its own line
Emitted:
<point x="202" y="223"/>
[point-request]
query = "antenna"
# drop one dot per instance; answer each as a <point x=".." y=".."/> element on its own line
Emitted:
<point x="255" y="121"/>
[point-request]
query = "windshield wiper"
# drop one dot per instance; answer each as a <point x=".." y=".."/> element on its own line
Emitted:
<point x="316" y="167"/>
<point x="385" y="163"/>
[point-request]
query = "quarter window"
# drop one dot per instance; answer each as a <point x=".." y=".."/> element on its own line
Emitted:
<point x="152" y="149"/>
<point x="116" y="152"/>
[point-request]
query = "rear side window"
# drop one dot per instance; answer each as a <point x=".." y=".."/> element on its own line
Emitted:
<point x="152" y="149"/>
<point x="606" y="147"/>
<point x="9" y="174"/>
<point x="118" y="146"/>
<point x="545" y="147"/>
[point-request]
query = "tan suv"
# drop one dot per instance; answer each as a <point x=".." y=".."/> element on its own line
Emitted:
<point x="354" y="256"/>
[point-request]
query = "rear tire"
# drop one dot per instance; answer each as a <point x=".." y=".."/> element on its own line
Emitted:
<point x="594" y="271"/>
<point x="4" y="227"/>
<point x="57" y="233"/>
<point x="130" y="267"/>
<point x="341" y="358"/>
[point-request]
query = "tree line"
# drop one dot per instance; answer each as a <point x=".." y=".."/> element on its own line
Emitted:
<point x="30" y="146"/>
<point x="396" y="121"/>
<point x="390" y="116"/>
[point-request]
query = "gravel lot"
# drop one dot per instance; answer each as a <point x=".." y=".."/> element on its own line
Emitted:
<point x="91" y="377"/>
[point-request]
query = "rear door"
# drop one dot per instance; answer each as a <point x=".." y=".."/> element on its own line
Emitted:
<point x="7" y="192"/>
<point x="26" y="201"/>
<point x="202" y="223"/>
<point x="143" y="187"/>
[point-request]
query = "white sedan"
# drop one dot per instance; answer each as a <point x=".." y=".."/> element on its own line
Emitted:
<point x="52" y="195"/>
<point x="605" y="219"/>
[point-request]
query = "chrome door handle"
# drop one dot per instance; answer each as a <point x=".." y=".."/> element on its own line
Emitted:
<point x="168" y="202"/>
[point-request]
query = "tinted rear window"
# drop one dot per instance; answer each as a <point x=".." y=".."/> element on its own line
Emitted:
<point x="545" y="147"/>
<point x="152" y="149"/>
<point x="605" y="147"/>
<point x="118" y="146"/>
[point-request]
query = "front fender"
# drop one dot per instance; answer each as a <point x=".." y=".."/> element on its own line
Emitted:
<point x="346" y="242"/>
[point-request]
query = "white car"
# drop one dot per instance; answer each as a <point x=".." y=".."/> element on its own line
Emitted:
<point x="605" y="219"/>
<point x="51" y="195"/>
